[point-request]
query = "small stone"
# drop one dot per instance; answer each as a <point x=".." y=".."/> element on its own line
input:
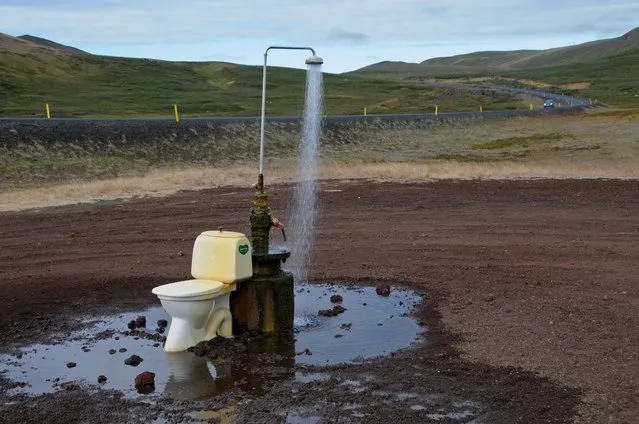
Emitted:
<point x="160" y="330"/>
<point x="122" y="349"/>
<point x="156" y="344"/>
<point x="307" y="351"/>
<point x="117" y="338"/>
<point x="346" y="327"/>
<point x="489" y="297"/>
<point x="140" y="321"/>
<point x="71" y="364"/>
<point x="364" y="304"/>
<point x="338" y="309"/>
<point x="180" y="253"/>
<point x="112" y="351"/>
<point x="133" y="360"/>
<point x="163" y="323"/>
<point x="145" y="379"/>
<point x="336" y="298"/>
<point x="337" y="336"/>
<point x="327" y="313"/>
<point x="379" y="324"/>
<point x="131" y="325"/>
<point x="102" y="379"/>
<point x="145" y="382"/>
<point x="383" y="289"/>
<point x="19" y="355"/>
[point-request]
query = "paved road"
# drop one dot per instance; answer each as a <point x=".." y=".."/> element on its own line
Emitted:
<point x="576" y="103"/>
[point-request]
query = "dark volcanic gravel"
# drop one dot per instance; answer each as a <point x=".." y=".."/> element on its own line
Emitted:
<point x="530" y="299"/>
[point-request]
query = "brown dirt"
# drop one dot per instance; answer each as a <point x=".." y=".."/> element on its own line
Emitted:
<point x="530" y="295"/>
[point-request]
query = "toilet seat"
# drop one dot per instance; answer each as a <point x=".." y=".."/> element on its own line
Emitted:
<point x="189" y="289"/>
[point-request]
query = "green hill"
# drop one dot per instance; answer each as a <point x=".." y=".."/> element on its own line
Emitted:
<point x="496" y="61"/>
<point x="607" y="70"/>
<point x="34" y="71"/>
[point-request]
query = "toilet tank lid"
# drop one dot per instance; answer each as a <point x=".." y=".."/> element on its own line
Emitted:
<point x="223" y="234"/>
<point x="188" y="288"/>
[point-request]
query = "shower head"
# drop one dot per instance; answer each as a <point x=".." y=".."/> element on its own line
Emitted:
<point x="314" y="60"/>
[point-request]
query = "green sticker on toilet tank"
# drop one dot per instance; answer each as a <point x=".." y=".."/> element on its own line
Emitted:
<point x="243" y="249"/>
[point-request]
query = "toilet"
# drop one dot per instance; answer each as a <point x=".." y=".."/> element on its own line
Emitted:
<point x="200" y="308"/>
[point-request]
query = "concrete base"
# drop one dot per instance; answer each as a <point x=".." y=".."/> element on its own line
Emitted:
<point x="264" y="305"/>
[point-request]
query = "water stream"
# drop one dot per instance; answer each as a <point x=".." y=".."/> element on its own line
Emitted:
<point x="303" y="209"/>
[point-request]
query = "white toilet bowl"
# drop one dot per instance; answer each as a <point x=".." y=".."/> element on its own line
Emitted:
<point x="199" y="311"/>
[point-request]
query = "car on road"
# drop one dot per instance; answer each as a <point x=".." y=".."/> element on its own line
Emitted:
<point x="550" y="103"/>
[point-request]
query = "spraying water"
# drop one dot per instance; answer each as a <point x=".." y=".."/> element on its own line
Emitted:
<point x="303" y="209"/>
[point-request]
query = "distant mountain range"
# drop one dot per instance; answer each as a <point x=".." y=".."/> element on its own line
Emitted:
<point x="34" y="71"/>
<point x="500" y="61"/>
<point x="29" y="43"/>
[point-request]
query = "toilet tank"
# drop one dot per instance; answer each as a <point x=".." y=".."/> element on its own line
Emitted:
<point x="223" y="256"/>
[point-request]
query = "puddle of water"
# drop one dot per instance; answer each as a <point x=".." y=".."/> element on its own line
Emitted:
<point x="405" y="396"/>
<point x="371" y="326"/>
<point x="301" y="377"/>
<point x="301" y="417"/>
<point x="456" y="416"/>
<point x="223" y="416"/>
<point x="103" y="348"/>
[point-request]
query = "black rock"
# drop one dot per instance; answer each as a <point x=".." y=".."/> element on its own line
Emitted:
<point x="123" y="349"/>
<point x="336" y="298"/>
<point x="383" y="289"/>
<point x="140" y="321"/>
<point x="102" y="379"/>
<point x="156" y="344"/>
<point x="338" y="309"/>
<point x="163" y="323"/>
<point x="112" y="351"/>
<point x="71" y="364"/>
<point x="160" y="330"/>
<point x="133" y="360"/>
<point x="131" y="325"/>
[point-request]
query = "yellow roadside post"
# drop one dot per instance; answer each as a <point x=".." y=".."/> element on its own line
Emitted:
<point x="48" y="110"/>
<point x="436" y="110"/>
<point x="531" y="106"/>
<point x="364" y="110"/>
<point x="481" y="108"/>
<point x="177" y="114"/>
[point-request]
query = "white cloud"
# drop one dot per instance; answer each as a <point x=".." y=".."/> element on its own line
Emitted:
<point x="365" y="27"/>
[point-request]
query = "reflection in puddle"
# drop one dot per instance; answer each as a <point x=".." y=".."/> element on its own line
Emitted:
<point x="371" y="326"/>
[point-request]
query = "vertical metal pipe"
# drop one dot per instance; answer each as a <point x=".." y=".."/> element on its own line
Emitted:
<point x="263" y="115"/>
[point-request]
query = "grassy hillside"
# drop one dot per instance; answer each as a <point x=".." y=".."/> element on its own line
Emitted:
<point x="606" y="70"/>
<point x="80" y="84"/>
<point x="500" y="61"/>
<point x="614" y="80"/>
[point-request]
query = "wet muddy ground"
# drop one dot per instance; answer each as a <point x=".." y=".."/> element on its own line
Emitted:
<point x="529" y="304"/>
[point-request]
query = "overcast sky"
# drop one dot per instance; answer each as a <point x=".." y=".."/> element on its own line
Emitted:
<point x="348" y="34"/>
